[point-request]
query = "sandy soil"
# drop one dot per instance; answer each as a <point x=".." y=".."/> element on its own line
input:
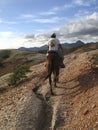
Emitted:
<point x="74" y="107"/>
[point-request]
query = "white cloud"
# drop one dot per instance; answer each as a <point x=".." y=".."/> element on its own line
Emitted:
<point x="94" y="16"/>
<point x="81" y="13"/>
<point x="79" y="2"/>
<point x="29" y="36"/>
<point x="85" y="29"/>
<point x="5" y="34"/>
<point x="47" y="13"/>
<point x="31" y="40"/>
<point x="7" y="22"/>
<point x="49" y="20"/>
<point x="42" y="18"/>
<point x="6" y="43"/>
<point x="61" y="8"/>
<point x="84" y="2"/>
<point x="26" y="16"/>
<point x="11" y="22"/>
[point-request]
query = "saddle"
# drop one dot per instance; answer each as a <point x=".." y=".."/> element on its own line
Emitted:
<point x="53" y="55"/>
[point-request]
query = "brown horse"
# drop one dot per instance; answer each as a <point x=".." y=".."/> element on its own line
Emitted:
<point x="52" y="66"/>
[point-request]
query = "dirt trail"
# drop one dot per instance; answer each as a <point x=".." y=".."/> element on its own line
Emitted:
<point x="74" y="107"/>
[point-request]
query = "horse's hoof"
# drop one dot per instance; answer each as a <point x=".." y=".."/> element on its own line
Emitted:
<point x="47" y="97"/>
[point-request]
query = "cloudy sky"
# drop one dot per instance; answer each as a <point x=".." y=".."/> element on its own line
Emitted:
<point x="30" y="23"/>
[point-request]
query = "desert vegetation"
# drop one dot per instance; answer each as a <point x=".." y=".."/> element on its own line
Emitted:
<point x="19" y="74"/>
<point x="9" y="59"/>
<point x="95" y="59"/>
<point x="14" y="65"/>
<point x="4" y="54"/>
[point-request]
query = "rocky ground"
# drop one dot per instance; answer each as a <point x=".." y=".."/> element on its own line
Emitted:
<point x="74" y="106"/>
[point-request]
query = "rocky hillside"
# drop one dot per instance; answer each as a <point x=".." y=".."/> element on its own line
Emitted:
<point x="9" y="59"/>
<point x="74" y="106"/>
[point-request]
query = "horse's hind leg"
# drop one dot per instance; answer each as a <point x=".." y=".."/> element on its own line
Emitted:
<point x="52" y="93"/>
<point x="55" y="82"/>
<point x="50" y="82"/>
<point x="55" y="78"/>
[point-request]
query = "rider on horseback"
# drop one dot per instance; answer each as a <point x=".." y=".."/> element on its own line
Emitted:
<point x="54" y="46"/>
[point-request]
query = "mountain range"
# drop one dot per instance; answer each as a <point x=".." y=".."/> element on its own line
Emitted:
<point x="65" y="45"/>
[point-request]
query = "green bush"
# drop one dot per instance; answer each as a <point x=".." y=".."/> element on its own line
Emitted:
<point x="95" y="59"/>
<point x="2" y="90"/>
<point x="4" y="54"/>
<point x="1" y="64"/>
<point x="19" y="74"/>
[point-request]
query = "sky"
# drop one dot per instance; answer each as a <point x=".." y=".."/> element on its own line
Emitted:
<point x="30" y="23"/>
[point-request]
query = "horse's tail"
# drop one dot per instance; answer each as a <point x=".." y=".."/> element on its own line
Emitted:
<point x="51" y="67"/>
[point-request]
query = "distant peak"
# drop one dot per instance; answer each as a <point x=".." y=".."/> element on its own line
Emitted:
<point x="79" y="42"/>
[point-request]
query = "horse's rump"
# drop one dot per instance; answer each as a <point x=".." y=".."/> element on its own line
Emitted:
<point x="53" y="59"/>
<point x="52" y="63"/>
